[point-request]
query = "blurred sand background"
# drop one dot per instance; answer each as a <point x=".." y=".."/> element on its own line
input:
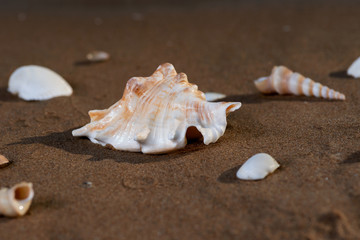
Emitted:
<point x="192" y="193"/>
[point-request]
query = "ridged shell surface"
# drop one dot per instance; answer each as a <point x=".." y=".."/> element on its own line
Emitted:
<point x="284" y="81"/>
<point x="38" y="83"/>
<point x="154" y="114"/>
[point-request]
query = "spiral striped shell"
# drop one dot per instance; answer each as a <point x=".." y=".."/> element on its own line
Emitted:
<point x="284" y="81"/>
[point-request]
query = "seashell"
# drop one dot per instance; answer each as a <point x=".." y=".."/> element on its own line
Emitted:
<point x="354" y="69"/>
<point x="98" y="56"/>
<point x="38" y="83"/>
<point x="257" y="167"/>
<point x="16" y="201"/>
<point x="156" y="114"/>
<point x="3" y="161"/>
<point x="283" y="81"/>
<point x="213" y="96"/>
<point x="87" y="184"/>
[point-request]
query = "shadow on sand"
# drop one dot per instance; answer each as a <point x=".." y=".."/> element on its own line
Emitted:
<point x="83" y="146"/>
<point x="352" y="158"/>
<point x="5" y="96"/>
<point x="229" y="176"/>
<point x="339" y="74"/>
<point x="86" y="63"/>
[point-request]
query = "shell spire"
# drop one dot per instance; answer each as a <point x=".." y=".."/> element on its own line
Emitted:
<point x="156" y="114"/>
<point x="284" y="81"/>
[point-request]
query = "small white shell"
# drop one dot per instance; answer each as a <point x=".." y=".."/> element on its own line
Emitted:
<point x="213" y="96"/>
<point x="257" y="167"/>
<point x="354" y="69"/>
<point x="97" y="56"/>
<point x="16" y="201"/>
<point x="38" y="83"/>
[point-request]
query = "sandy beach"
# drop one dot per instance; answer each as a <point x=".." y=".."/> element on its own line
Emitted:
<point x="84" y="191"/>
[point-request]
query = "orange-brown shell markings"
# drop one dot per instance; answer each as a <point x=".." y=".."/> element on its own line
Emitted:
<point x="154" y="114"/>
<point x="284" y="81"/>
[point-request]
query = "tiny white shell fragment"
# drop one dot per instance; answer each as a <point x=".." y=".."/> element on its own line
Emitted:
<point x="354" y="69"/>
<point x="16" y="201"/>
<point x="213" y="96"/>
<point x="37" y="83"/>
<point x="98" y="56"/>
<point x="257" y="167"/>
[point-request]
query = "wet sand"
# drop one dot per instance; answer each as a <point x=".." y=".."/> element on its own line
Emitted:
<point x="191" y="193"/>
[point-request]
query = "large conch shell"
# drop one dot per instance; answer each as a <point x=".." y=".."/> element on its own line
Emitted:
<point x="16" y="201"/>
<point x="284" y="81"/>
<point x="156" y="114"/>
